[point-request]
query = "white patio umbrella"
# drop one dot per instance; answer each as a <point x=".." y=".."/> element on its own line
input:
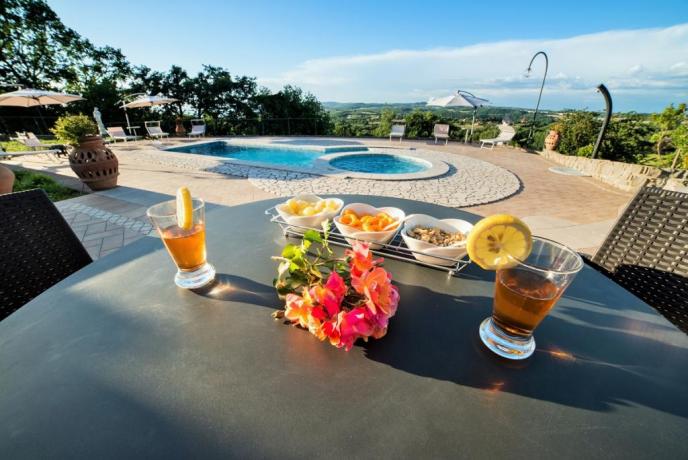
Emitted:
<point x="35" y="98"/>
<point x="460" y="99"/>
<point x="145" y="100"/>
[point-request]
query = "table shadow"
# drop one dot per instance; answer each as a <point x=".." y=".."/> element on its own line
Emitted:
<point x="234" y="288"/>
<point x="594" y="368"/>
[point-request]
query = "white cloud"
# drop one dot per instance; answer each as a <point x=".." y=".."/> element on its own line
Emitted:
<point x="645" y="69"/>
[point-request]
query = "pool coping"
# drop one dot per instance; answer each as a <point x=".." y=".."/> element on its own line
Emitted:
<point x="322" y="166"/>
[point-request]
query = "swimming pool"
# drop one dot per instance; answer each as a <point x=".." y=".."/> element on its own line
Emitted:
<point x="356" y="161"/>
<point x="379" y="163"/>
<point x="265" y="155"/>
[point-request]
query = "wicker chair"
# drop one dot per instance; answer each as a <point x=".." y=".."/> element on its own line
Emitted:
<point x="647" y="252"/>
<point x="38" y="248"/>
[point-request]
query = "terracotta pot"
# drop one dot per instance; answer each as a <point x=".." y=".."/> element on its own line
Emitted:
<point x="552" y="140"/>
<point x="179" y="129"/>
<point x="6" y="179"/>
<point x="94" y="163"/>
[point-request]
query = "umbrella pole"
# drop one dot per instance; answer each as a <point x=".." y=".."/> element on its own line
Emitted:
<point x="40" y="115"/>
<point x="473" y="122"/>
<point x="126" y="115"/>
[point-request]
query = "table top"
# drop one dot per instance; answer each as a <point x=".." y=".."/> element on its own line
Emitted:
<point x="116" y="361"/>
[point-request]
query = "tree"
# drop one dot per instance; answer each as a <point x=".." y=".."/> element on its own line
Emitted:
<point x="577" y="129"/>
<point x="667" y="121"/>
<point x="387" y="118"/>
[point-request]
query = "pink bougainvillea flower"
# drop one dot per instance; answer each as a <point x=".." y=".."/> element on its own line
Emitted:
<point x="380" y="294"/>
<point x="330" y="329"/>
<point x="361" y="259"/>
<point x="331" y="294"/>
<point x="298" y="309"/>
<point x="354" y="324"/>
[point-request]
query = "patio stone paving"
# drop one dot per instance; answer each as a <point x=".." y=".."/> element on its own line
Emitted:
<point x="577" y="211"/>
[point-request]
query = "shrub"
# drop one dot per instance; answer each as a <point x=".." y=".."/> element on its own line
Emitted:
<point x="27" y="180"/>
<point x="70" y="128"/>
<point x="585" y="151"/>
<point x="577" y="129"/>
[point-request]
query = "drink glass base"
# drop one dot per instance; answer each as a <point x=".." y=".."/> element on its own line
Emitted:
<point x="196" y="278"/>
<point x="504" y="344"/>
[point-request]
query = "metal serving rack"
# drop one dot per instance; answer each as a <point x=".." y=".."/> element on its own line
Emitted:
<point x="395" y="249"/>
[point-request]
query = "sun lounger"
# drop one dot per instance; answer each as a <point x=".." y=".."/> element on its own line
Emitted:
<point x="118" y="133"/>
<point x="30" y="140"/>
<point x="506" y="133"/>
<point x="154" y="130"/>
<point x="197" y="128"/>
<point x="441" y="131"/>
<point x="47" y="153"/>
<point x="397" y="131"/>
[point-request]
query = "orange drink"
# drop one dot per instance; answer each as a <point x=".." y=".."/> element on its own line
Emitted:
<point x="181" y="225"/>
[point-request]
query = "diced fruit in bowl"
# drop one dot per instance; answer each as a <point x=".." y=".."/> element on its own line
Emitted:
<point x="443" y="238"/>
<point x="308" y="210"/>
<point x="301" y="207"/>
<point x="368" y="223"/>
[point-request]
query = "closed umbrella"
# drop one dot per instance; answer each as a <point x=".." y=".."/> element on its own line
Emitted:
<point x="35" y="98"/>
<point x="145" y="100"/>
<point x="460" y="99"/>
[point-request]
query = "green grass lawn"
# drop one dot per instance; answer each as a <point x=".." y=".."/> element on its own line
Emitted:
<point x="16" y="146"/>
<point x="27" y="180"/>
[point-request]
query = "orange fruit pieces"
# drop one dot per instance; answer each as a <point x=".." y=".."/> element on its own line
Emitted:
<point x="368" y="223"/>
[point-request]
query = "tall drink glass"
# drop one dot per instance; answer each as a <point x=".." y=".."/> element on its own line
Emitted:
<point x="524" y="294"/>
<point x="185" y="246"/>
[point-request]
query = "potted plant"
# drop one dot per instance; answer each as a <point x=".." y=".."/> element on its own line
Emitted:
<point x="94" y="163"/>
<point x="6" y="179"/>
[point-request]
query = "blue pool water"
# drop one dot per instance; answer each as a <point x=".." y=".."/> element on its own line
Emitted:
<point x="268" y="156"/>
<point x="379" y="164"/>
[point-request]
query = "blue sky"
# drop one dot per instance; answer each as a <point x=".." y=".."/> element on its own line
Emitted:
<point x="378" y="51"/>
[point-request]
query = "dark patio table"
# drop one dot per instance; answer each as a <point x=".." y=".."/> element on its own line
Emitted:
<point x="116" y="362"/>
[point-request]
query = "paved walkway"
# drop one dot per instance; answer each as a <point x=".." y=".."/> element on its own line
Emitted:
<point x="574" y="210"/>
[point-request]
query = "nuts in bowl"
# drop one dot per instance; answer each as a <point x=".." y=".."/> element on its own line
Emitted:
<point x="429" y="236"/>
<point x="308" y="210"/>
<point x="368" y="223"/>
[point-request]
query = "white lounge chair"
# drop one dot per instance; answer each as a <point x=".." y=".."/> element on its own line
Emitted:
<point x="29" y="140"/>
<point x="154" y="130"/>
<point x="397" y="131"/>
<point x="47" y="153"/>
<point x="118" y="133"/>
<point x="506" y="133"/>
<point x="197" y="128"/>
<point x="441" y="131"/>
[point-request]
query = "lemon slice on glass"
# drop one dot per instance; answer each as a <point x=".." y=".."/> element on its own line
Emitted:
<point x="184" y="209"/>
<point x="499" y="241"/>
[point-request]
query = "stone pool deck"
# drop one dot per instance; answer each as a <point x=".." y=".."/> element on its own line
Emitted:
<point x="577" y="211"/>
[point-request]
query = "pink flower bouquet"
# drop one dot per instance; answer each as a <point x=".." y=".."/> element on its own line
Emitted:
<point x="339" y="299"/>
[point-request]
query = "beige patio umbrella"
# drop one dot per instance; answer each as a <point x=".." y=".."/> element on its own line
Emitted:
<point x="145" y="100"/>
<point x="460" y="99"/>
<point x="28" y="97"/>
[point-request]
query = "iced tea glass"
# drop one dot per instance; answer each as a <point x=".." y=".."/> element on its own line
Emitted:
<point x="185" y="246"/>
<point x="524" y="294"/>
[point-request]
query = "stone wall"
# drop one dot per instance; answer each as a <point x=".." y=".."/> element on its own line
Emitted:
<point x="625" y="176"/>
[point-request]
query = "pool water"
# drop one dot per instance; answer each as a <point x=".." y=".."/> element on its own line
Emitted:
<point x="266" y="155"/>
<point x="380" y="163"/>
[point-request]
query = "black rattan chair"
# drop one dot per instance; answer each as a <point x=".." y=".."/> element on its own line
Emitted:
<point x="647" y="252"/>
<point x="37" y="247"/>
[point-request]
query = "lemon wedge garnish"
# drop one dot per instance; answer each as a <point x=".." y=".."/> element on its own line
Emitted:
<point x="499" y="241"/>
<point x="184" y="209"/>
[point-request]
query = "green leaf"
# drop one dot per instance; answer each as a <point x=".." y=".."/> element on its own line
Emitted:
<point x="312" y="236"/>
<point x="290" y="251"/>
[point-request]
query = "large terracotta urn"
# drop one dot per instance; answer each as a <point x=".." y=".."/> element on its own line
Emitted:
<point x="552" y="140"/>
<point x="179" y="128"/>
<point x="6" y="179"/>
<point x="94" y="163"/>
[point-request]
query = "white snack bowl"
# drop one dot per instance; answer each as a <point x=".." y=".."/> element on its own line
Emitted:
<point x="454" y="252"/>
<point x="315" y="221"/>
<point x="371" y="237"/>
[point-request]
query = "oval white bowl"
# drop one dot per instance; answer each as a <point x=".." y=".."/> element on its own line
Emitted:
<point x="315" y="221"/>
<point x="371" y="237"/>
<point x="454" y="252"/>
